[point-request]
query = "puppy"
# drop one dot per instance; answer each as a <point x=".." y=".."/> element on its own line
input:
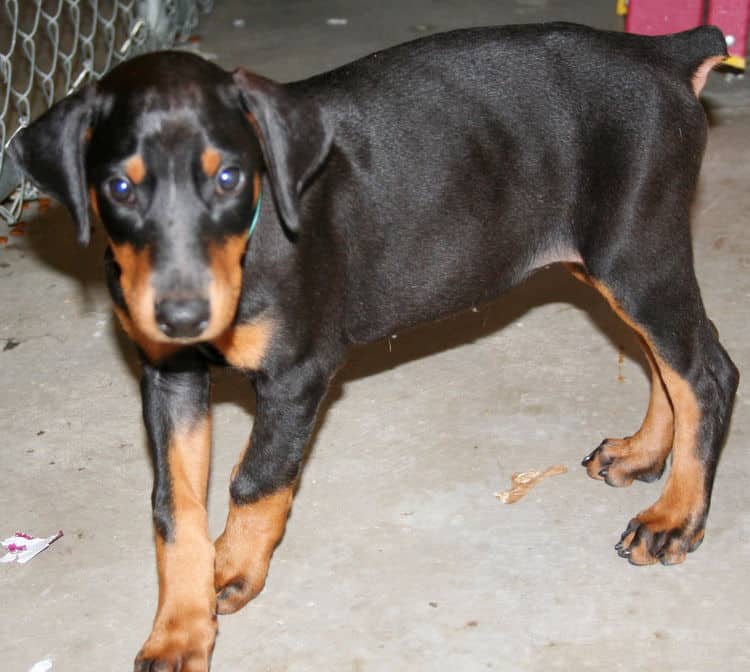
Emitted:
<point x="268" y="227"/>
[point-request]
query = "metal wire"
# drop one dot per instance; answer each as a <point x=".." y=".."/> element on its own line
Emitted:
<point x="48" y="48"/>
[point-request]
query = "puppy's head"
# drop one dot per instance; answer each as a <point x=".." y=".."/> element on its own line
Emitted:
<point x="168" y="150"/>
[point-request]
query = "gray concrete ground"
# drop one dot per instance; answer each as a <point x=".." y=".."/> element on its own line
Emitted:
<point x="397" y="555"/>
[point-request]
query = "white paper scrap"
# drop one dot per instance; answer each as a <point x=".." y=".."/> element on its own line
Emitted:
<point x="22" y="547"/>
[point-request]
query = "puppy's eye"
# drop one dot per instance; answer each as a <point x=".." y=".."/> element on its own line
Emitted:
<point x="228" y="179"/>
<point x="121" y="190"/>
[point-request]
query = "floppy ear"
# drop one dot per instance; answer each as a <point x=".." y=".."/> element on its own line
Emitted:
<point x="294" y="136"/>
<point x="50" y="152"/>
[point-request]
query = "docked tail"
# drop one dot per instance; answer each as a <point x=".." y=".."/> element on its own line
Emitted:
<point x="696" y="51"/>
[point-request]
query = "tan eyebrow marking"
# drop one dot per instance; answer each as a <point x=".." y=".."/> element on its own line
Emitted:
<point x="210" y="161"/>
<point x="135" y="168"/>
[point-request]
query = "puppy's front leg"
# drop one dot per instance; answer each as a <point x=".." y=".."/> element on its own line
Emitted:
<point x="263" y="481"/>
<point x="176" y="412"/>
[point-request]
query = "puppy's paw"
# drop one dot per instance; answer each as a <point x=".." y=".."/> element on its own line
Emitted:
<point x="244" y="549"/>
<point x="619" y="462"/>
<point x="651" y="537"/>
<point x="179" y="645"/>
<point x="239" y="576"/>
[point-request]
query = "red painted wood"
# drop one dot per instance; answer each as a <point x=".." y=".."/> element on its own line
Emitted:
<point x="733" y="17"/>
<point x="657" y="17"/>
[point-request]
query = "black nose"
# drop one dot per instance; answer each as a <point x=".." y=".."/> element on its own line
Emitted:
<point x="182" y="318"/>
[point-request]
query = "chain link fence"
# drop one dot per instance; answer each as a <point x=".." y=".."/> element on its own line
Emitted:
<point x="48" y="48"/>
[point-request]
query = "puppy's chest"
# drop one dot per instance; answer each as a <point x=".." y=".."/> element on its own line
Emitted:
<point x="244" y="346"/>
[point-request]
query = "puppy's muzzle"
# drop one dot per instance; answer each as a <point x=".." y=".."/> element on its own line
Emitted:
<point x="183" y="318"/>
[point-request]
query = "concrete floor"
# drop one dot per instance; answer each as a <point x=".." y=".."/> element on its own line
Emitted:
<point x="397" y="555"/>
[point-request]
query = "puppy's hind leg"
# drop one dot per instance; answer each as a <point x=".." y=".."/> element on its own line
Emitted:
<point x="663" y="305"/>
<point x="643" y="455"/>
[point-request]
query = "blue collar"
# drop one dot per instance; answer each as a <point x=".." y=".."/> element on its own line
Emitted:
<point x="256" y="213"/>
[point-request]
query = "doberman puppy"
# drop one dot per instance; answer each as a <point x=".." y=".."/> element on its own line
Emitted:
<point x="269" y="226"/>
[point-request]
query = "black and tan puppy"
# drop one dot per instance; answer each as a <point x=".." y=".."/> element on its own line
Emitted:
<point x="411" y="184"/>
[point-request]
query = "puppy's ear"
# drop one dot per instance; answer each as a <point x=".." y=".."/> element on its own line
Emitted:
<point x="294" y="136"/>
<point x="50" y="151"/>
